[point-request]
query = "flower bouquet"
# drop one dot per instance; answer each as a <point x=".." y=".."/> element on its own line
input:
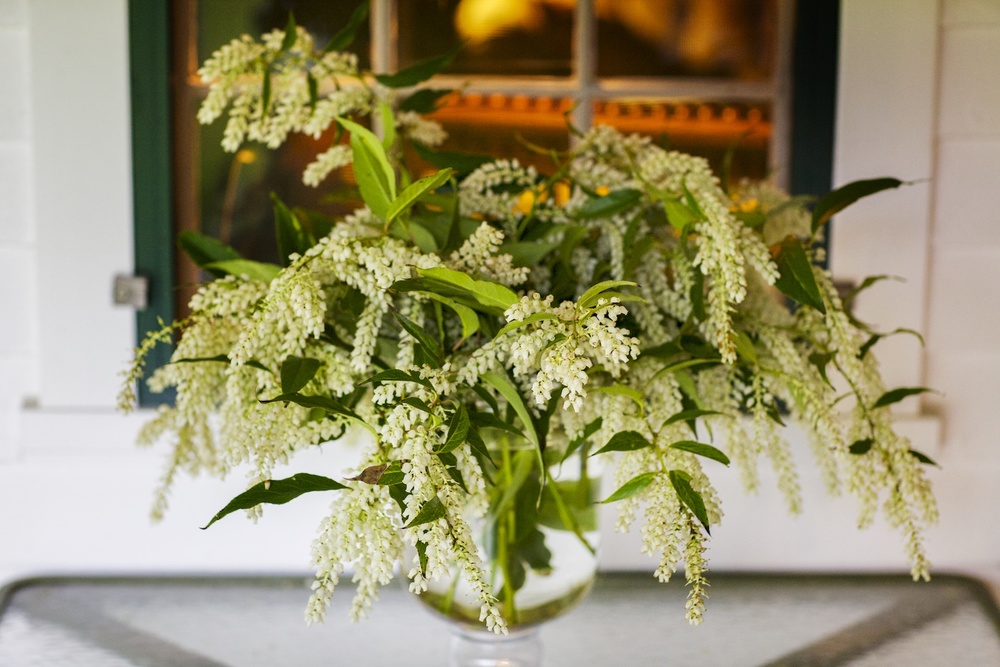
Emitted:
<point x="492" y="336"/>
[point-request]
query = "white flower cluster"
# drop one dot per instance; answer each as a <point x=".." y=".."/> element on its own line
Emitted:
<point x="420" y="129"/>
<point x="480" y="255"/>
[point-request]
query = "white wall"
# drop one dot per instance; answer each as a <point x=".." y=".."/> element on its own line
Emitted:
<point x="919" y="89"/>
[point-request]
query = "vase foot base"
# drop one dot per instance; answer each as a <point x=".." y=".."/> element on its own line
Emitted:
<point x="521" y="648"/>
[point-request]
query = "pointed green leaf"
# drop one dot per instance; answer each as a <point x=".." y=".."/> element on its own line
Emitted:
<point x="616" y="201"/>
<point x="679" y="214"/>
<point x="632" y="487"/>
<point x="291" y="236"/>
<point x="530" y="319"/>
<point x="578" y="442"/>
<point x="795" y="275"/>
<point x="388" y="124"/>
<point x="820" y="361"/>
<point x="458" y="430"/>
<point x="502" y="384"/>
<point x="325" y="403"/>
<point x="697" y="294"/>
<point x="896" y="395"/>
<point x="859" y="447"/>
<point x="397" y="375"/>
<point x="424" y="101"/>
<point x="527" y="253"/>
<point x="345" y="36"/>
<point x="376" y="179"/>
<point x="681" y="482"/>
<point x="462" y="163"/>
<point x="432" y="510"/>
<point x="592" y="295"/>
<point x="424" y="341"/>
<point x="488" y="293"/>
<point x="296" y="372"/>
<point x="923" y="458"/>
<point x="246" y="269"/>
<point x="744" y="347"/>
<point x="291" y="33"/>
<point x="468" y="317"/>
<point x="625" y="441"/>
<point x="420" y="72"/>
<point x="688" y="415"/>
<point x="415" y="191"/>
<point x="846" y="195"/>
<point x="204" y="250"/>
<point x="277" y="492"/>
<point x="701" y="449"/>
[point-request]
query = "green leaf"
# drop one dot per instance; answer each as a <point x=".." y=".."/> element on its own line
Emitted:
<point x="432" y="510"/>
<point x="502" y="384"/>
<point x="679" y="214"/>
<point x="632" y="487"/>
<point x="204" y="250"/>
<point x="896" y="395"/>
<point x="625" y="441"/>
<point x="296" y="372"/>
<point x="795" y="276"/>
<point x="681" y="482"/>
<point x="291" y="33"/>
<point x="292" y="237"/>
<point x="468" y="317"/>
<point x="420" y="72"/>
<point x="592" y="295"/>
<point x="490" y="294"/>
<point x="530" y="319"/>
<point x="458" y="430"/>
<point x="397" y="375"/>
<point x="388" y="124"/>
<point x="415" y="233"/>
<point x="462" y="163"/>
<point x="246" y="269"/>
<point x="744" y="347"/>
<point x="277" y="492"/>
<point x="324" y="403"/>
<point x="634" y="395"/>
<point x="923" y="458"/>
<point x="376" y="179"/>
<point x="697" y="294"/>
<point x="820" y="361"/>
<point x="425" y="342"/>
<point x="701" y="449"/>
<point x="859" y="447"/>
<point x="415" y="191"/>
<point x="345" y="36"/>
<point x="616" y="201"/>
<point x="846" y="195"/>
<point x="424" y="101"/>
<point x="527" y="253"/>
<point x="578" y="442"/>
<point x="532" y="550"/>
<point x="689" y="415"/>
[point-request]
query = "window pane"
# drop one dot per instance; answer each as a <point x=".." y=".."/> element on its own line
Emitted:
<point x="514" y="37"/>
<point x="697" y="38"/>
<point x="506" y="126"/>
<point x="706" y="129"/>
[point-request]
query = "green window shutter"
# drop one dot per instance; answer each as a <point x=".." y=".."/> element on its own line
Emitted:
<point x="152" y="186"/>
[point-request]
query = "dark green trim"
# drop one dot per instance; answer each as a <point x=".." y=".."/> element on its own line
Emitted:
<point x="814" y="96"/>
<point x="152" y="190"/>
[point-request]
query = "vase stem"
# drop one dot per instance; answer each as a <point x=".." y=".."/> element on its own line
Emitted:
<point x="475" y="648"/>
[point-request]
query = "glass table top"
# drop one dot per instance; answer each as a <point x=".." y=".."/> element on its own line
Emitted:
<point x="629" y="619"/>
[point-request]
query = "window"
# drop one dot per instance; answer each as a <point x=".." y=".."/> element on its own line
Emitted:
<point x="699" y="74"/>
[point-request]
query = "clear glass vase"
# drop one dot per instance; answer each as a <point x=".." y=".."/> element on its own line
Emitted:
<point x="538" y="546"/>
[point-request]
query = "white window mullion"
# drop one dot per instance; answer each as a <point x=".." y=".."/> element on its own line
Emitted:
<point x="584" y="63"/>
<point x="384" y="31"/>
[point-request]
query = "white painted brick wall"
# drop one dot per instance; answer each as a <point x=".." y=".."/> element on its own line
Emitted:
<point x="963" y="321"/>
